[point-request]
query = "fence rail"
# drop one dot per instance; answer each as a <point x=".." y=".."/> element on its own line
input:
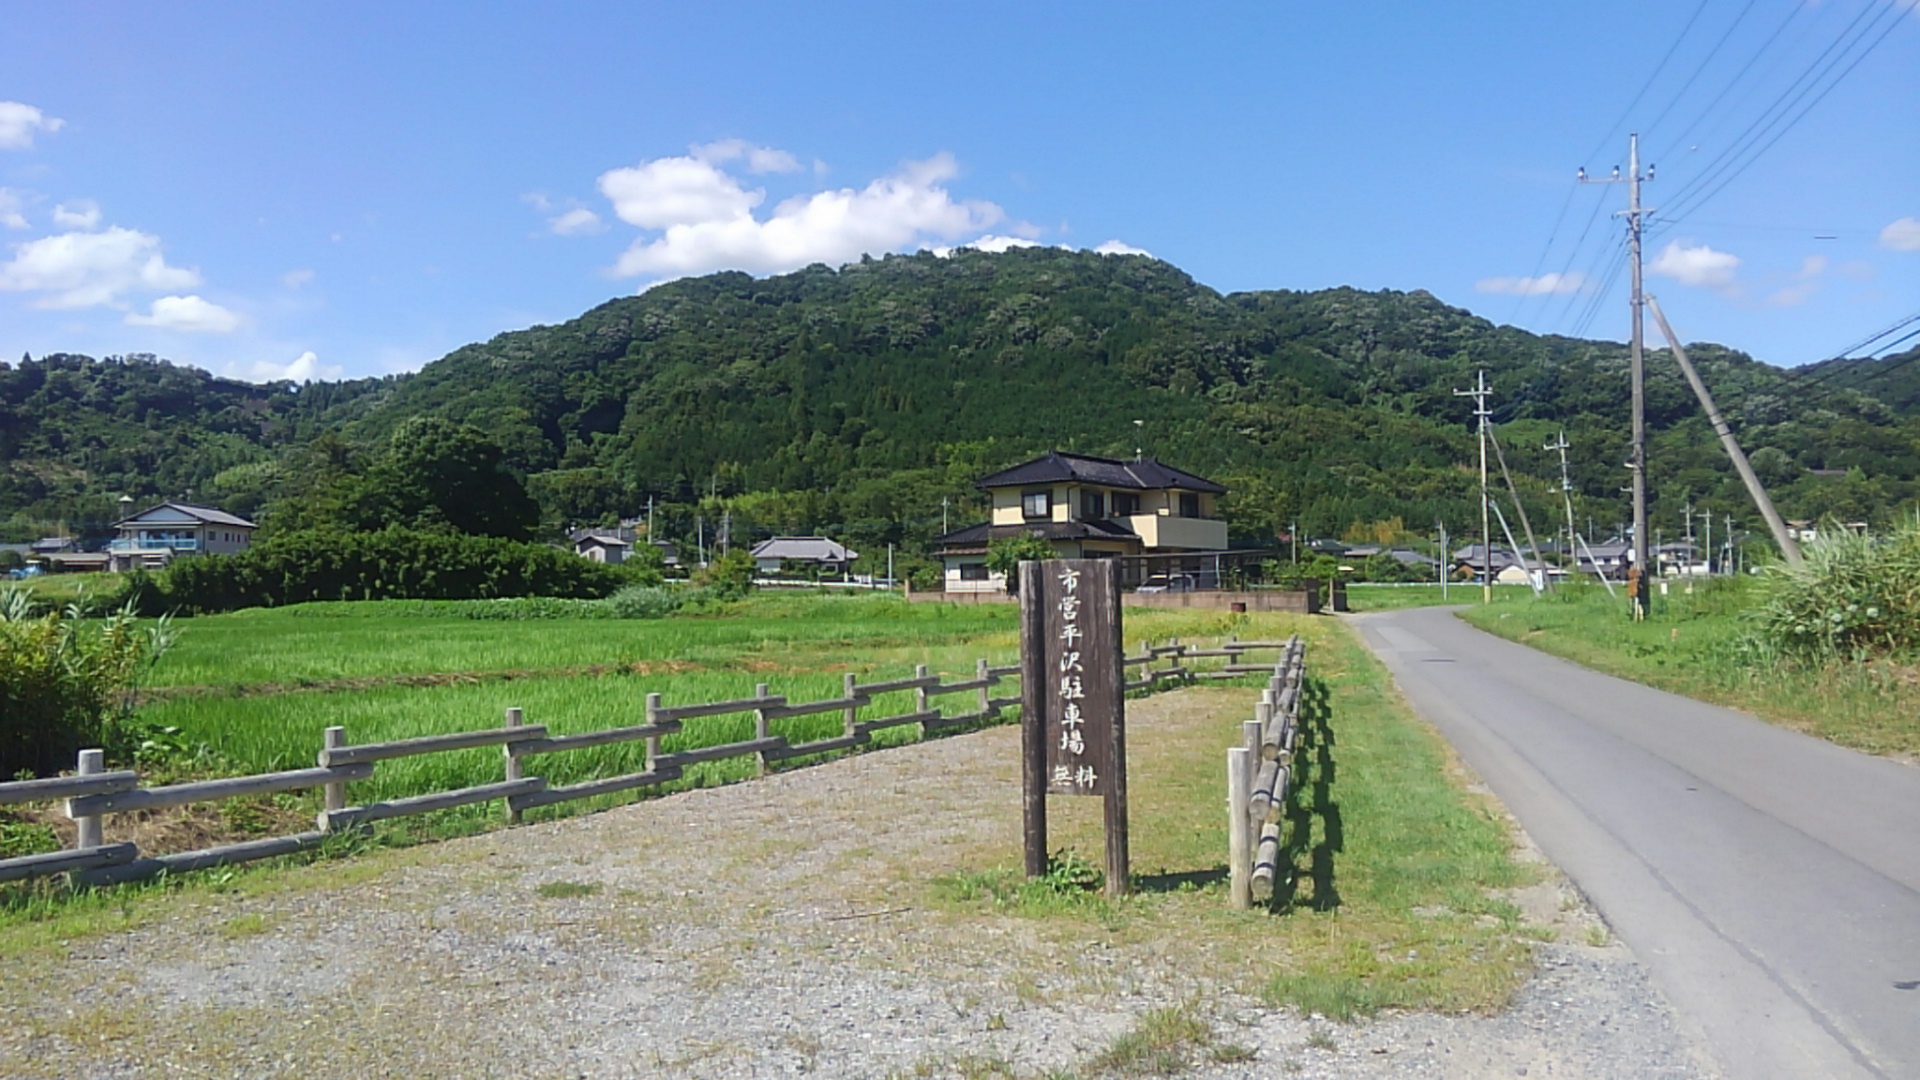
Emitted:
<point x="94" y="793"/>
<point x="1259" y="775"/>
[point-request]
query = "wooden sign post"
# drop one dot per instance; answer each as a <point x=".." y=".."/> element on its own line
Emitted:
<point x="1072" y="700"/>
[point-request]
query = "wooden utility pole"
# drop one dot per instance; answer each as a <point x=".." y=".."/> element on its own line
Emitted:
<point x="1637" y="461"/>
<point x="1480" y="412"/>
<point x="1789" y="550"/>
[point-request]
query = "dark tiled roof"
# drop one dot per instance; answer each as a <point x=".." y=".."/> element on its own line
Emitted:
<point x="206" y="514"/>
<point x="1144" y="474"/>
<point x="979" y="536"/>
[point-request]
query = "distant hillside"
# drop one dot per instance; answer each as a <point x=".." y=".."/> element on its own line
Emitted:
<point x="1894" y="379"/>
<point x="856" y="400"/>
<point x="76" y="433"/>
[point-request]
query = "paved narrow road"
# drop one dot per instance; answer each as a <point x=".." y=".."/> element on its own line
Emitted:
<point x="1770" y="881"/>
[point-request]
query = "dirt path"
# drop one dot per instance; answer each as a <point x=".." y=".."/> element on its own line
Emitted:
<point x="773" y="928"/>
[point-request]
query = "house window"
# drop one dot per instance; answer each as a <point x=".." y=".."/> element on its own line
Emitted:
<point x="973" y="571"/>
<point x="1036" y="504"/>
<point x="1189" y="505"/>
<point x="1093" y="504"/>
<point x="1125" y="504"/>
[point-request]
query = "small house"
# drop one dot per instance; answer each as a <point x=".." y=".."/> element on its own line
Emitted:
<point x="601" y="546"/>
<point x="157" y="535"/>
<point x="786" y="554"/>
<point x="1090" y="508"/>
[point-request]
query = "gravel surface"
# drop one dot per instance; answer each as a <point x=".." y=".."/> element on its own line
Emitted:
<point x="774" y="928"/>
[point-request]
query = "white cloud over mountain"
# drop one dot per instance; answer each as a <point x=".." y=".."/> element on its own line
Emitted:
<point x="188" y="314"/>
<point x="19" y="123"/>
<point x="88" y="269"/>
<point x="1548" y="284"/>
<point x="1117" y="247"/>
<point x="1695" y="265"/>
<point x="705" y="217"/>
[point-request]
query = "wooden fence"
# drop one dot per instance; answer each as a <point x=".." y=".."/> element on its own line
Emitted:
<point x="1258" y="777"/>
<point x="92" y="793"/>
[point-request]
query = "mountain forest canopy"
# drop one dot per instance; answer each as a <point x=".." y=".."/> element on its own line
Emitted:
<point x="862" y="403"/>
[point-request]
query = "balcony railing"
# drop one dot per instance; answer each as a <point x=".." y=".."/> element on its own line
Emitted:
<point x="125" y="545"/>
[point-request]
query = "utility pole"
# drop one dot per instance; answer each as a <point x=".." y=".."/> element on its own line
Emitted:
<point x="650" y="536"/>
<point x="1789" y="550"/>
<point x="1293" y="537"/>
<point x="1638" y="460"/>
<point x="1481" y="412"/>
<point x="1445" y="558"/>
<point x="943" y="515"/>
<point x="1566" y="494"/>
<point x="1689" y="513"/>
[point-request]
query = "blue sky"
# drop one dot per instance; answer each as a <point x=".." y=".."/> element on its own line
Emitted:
<point x="269" y="190"/>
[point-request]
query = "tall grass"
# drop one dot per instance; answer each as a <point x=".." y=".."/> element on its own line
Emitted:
<point x="1854" y="597"/>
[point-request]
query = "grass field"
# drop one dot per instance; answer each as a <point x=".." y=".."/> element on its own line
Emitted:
<point x="1395" y="901"/>
<point x="256" y="689"/>
<point x="1693" y="643"/>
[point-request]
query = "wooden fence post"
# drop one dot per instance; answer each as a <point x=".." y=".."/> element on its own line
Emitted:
<point x="1239" y="828"/>
<point x="515" y="770"/>
<point x="986" y="689"/>
<point x="760" y="731"/>
<point x="653" y="741"/>
<point x="852" y="714"/>
<point x="88" y="831"/>
<point x="336" y="794"/>
<point x="920" y="698"/>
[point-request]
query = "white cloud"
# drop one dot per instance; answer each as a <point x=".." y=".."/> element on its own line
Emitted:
<point x="1696" y="266"/>
<point x="760" y="159"/>
<point x="304" y="368"/>
<point x="1548" y="284"/>
<point x="576" y="222"/>
<point x="78" y="214"/>
<point x="1902" y="235"/>
<point x="1813" y="266"/>
<point x="187" y="314"/>
<point x="676" y="192"/>
<point x="707" y="222"/>
<point x="10" y="206"/>
<point x="19" y="123"/>
<point x="294" y="279"/>
<point x="997" y="244"/>
<point x="85" y="269"/>
<point x="1118" y="247"/>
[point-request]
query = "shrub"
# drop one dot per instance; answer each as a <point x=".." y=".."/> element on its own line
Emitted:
<point x="1855" y="596"/>
<point x="400" y="564"/>
<point x="643" y="602"/>
<point x="67" y="684"/>
<point x="728" y="577"/>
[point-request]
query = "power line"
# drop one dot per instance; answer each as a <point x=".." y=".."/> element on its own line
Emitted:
<point x="1701" y="67"/>
<point x="1792" y="14"/>
<point x="1730" y="164"/>
<point x="1644" y="87"/>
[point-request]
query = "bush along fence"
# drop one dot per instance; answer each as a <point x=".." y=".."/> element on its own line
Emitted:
<point x="92" y="792"/>
<point x="1258" y="774"/>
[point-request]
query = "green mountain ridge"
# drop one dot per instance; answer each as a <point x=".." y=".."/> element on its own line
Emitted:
<point x="856" y="400"/>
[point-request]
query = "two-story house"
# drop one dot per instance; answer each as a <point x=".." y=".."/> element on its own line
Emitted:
<point x="1091" y="508"/>
<point x="155" y="536"/>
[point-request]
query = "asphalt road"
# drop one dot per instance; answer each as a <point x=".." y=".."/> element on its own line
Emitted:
<point x="1769" y="881"/>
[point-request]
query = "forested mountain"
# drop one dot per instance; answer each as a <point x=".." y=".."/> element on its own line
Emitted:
<point x="1894" y="379"/>
<point x="855" y="400"/>
<point x="76" y="433"/>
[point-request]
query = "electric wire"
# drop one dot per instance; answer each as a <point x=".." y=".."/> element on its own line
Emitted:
<point x="1680" y="210"/>
<point x="1644" y="87"/>
<point x="1699" y="69"/>
<point x="1740" y="154"/>
<point x="1681" y="139"/>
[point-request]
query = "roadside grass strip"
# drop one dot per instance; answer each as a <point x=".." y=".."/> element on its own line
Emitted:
<point x="1695" y="645"/>
<point x="1395" y="897"/>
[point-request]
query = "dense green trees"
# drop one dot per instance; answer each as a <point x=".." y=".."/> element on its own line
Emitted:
<point x="862" y="402"/>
